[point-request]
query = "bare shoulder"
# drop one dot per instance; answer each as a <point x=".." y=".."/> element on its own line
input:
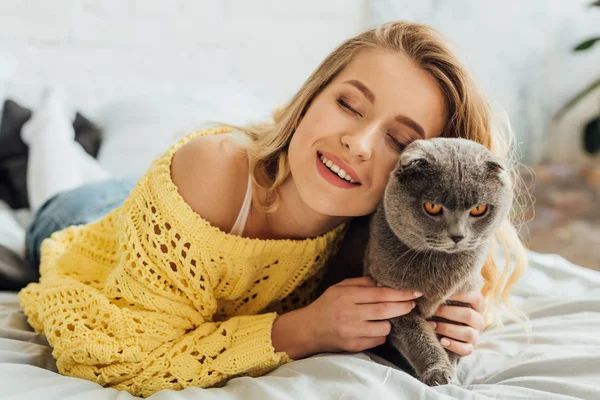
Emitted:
<point x="211" y="174"/>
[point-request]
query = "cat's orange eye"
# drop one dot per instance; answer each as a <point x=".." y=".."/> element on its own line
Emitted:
<point x="478" y="211"/>
<point x="432" y="209"/>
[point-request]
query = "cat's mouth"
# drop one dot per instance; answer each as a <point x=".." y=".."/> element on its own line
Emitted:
<point x="448" y="247"/>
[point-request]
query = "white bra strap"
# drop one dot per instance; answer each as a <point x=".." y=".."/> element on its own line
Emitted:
<point x="240" y="222"/>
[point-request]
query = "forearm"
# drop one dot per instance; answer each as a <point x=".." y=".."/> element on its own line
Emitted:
<point x="292" y="334"/>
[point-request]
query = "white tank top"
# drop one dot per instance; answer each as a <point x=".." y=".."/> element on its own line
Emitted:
<point x="240" y="222"/>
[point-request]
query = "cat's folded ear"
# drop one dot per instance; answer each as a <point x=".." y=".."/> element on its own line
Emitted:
<point x="494" y="167"/>
<point x="413" y="157"/>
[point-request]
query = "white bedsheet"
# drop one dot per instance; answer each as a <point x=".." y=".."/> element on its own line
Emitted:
<point x="562" y="361"/>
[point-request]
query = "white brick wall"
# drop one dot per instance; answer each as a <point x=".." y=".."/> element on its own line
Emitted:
<point x="103" y="49"/>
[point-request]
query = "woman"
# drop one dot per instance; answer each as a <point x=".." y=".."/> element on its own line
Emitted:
<point x="173" y="288"/>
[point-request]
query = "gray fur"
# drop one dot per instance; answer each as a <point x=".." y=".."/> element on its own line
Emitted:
<point x="410" y="250"/>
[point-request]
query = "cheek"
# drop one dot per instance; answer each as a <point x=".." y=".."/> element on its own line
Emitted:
<point x="320" y="114"/>
<point x="385" y="163"/>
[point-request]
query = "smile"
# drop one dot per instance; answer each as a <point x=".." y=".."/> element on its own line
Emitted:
<point x="336" y="169"/>
<point x="333" y="174"/>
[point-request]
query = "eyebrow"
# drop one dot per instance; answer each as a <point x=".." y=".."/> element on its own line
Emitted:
<point x="411" y="124"/>
<point x="400" y="118"/>
<point x="365" y="90"/>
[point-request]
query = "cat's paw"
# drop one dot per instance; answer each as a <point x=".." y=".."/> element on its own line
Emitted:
<point x="437" y="376"/>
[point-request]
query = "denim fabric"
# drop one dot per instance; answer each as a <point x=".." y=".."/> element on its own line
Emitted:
<point x="79" y="206"/>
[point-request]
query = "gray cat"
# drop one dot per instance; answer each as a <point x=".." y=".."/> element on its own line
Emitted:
<point x="430" y="233"/>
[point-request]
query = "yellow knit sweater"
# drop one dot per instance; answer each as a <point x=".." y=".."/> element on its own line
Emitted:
<point x="153" y="297"/>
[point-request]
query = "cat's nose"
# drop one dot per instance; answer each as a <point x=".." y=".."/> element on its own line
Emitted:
<point x="456" y="238"/>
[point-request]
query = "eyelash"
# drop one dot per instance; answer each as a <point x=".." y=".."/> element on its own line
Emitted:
<point x="346" y="107"/>
<point x="396" y="144"/>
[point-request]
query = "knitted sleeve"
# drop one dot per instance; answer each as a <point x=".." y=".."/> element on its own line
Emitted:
<point x="149" y="325"/>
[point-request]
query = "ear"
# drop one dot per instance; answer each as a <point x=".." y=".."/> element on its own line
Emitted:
<point x="494" y="167"/>
<point x="413" y="158"/>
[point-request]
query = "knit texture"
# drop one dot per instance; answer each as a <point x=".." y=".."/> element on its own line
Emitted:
<point x="153" y="297"/>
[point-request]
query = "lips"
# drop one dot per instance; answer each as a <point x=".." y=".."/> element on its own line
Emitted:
<point x="342" y="164"/>
<point x="331" y="177"/>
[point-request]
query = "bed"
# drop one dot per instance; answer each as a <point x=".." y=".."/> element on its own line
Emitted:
<point x="560" y="360"/>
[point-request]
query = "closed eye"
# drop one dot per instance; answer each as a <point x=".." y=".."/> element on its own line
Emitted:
<point x="345" y="106"/>
<point x="396" y="144"/>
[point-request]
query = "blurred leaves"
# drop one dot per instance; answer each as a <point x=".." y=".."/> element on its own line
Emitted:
<point x="590" y="42"/>
<point x="587" y="44"/>
<point x="590" y="88"/>
<point x="594" y="85"/>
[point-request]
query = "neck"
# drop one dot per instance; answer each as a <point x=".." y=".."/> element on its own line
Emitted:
<point x="293" y="219"/>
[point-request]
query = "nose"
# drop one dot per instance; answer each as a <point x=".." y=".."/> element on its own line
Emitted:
<point x="456" y="238"/>
<point x="360" y="144"/>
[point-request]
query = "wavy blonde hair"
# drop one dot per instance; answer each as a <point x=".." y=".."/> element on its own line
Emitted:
<point x="470" y="118"/>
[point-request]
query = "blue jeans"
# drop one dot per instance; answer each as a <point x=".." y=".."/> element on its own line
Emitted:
<point x="79" y="206"/>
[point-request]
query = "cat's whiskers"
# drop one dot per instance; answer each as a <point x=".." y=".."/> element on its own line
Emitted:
<point x="433" y="270"/>
<point x="422" y="250"/>
<point x="407" y="264"/>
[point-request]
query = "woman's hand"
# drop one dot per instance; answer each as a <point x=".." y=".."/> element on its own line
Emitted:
<point x="350" y="316"/>
<point x="461" y="339"/>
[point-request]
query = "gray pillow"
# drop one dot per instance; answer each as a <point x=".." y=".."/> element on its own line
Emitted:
<point x="15" y="273"/>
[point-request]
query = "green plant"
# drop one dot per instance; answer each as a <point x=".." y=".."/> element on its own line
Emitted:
<point x="591" y="134"/>
<point x="585" y="45"/>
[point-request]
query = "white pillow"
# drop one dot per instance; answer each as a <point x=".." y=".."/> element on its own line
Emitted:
<point x="137" y="130"/>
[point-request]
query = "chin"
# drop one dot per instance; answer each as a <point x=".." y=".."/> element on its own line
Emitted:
<point x="326" y="199"/>
<point x="327" y="203"/>
<point x="452" y="249"/>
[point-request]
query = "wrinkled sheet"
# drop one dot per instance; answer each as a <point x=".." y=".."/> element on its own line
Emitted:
<point x="559" y="360"/>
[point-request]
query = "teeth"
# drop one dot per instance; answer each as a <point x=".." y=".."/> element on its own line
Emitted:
<point x="336" y="169"/>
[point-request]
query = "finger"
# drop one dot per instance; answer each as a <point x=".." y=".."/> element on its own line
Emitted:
<point x="462" y="349"/>
<point x="462" y="315"/>
<point x="457" y="332"/>
<point x="374" y="329"/>
<point x="474" y="298"/>
<point x="382" y="295"/>
<point x="382" y="311"/>
<point x="362" y="281"/>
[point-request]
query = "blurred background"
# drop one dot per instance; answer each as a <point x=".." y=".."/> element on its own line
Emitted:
<point x="144" y="71"/>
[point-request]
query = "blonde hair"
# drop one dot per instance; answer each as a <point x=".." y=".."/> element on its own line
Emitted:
<point x="470" y="117"/>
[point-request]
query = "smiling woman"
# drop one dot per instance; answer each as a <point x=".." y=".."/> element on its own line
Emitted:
<point x="169" y="290"/>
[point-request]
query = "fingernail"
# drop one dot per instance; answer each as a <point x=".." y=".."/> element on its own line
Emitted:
<point x="413" y="304"/>
<point x="445" y="342"/>
<point x="433" y="324"/>
<point x="418" y="294"/>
